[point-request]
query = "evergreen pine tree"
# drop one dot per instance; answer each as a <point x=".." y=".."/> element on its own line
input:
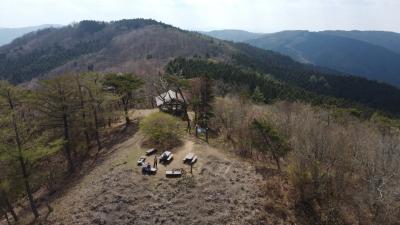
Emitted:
<point x="257" y="95"/>
<point x="124" y="86"/>
<point x="22" y="139"/>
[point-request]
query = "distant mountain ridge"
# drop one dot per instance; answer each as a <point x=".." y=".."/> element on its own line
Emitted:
<point x="233" y="35"/>
<point x="9" y="34"/>
<point x="388" y="40"/>
<point x="371" y="54"/>
<point x="145" y="47"/>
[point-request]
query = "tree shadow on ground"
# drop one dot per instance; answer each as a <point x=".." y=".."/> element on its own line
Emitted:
<point x="266" y="172"/>
<point x="114" y="136"/>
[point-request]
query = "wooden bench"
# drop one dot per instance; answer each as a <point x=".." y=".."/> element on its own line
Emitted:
<point x="170" y="157"/>
<point x="188" y="157"/>
<point x="173" y="173"/>
<point x="193" y="160"/>
<point x="151" y="151"/>
<point x="153" y="170"/>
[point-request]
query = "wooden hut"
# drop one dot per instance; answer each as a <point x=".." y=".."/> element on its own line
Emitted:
<point x="171" y="102"/>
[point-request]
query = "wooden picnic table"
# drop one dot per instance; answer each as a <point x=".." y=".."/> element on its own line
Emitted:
<point x="170" y="157"/>
<point x="148" y="169"/>
<point x="141" y="160"/>
<point x="193" y="161"/>
<point x="189" y="156"/>
<point x="165" y="155"/>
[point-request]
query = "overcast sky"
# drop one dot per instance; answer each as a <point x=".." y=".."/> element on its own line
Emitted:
<point x="252" y="15"/>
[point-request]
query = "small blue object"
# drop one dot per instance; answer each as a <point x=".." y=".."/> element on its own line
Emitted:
<point x="201" y="130"/>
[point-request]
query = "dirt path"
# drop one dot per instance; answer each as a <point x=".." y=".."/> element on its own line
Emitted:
<point x="222" y="190"/>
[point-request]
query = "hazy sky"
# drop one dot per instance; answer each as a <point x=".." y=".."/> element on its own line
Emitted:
<point x="252" y="15"/>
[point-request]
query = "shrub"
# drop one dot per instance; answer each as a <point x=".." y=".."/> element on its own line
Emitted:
<point x="162" y="130"/>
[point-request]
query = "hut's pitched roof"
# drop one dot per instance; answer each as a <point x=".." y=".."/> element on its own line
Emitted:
<point x="168" y="97"/>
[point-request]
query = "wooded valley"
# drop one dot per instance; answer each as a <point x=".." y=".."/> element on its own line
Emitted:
<point x="279" y="142"/>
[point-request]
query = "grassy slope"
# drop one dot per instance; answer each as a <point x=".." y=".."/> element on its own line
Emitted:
<point x="224" y="190"/>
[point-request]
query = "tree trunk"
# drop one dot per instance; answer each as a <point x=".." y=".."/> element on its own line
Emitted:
<point x="127" y="120"/>
<point x="276" y="160"/>
<point x="29" y="192"/>
<point x="96" y="133"/>
<point x="269" y="143"/>
<point x="28" y="188"/>
<point x="152" y="102"/>
<point x="21" y="160"/>
<point x="188" y="128"/>
<point x="49" y="208"/>
<point x="96" y="119"/>
<point x="187" y="119"/>
<point x="184" y="108"/>
<point x="87" y="140"/>
<point x="82" y="105"/>
<point x="67" y="146"/>
<point x="11" y="209"/>
<point x="5" y="216"/>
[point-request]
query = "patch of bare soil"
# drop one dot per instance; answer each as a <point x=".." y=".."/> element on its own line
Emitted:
<point x="222" y="190"/>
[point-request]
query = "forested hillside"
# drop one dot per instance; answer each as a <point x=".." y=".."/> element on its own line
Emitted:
<point x="370" y="54"/>
<point x="336" y="52"/>
<point x="142" y="46"/>
<point x="146" y="46"/>
<point x="371" y="93"/>
<point x="296" y="83"/>
<point x="388" y="40"/>
<point x="69" y="151"/>
<point x="254" y="138"/>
